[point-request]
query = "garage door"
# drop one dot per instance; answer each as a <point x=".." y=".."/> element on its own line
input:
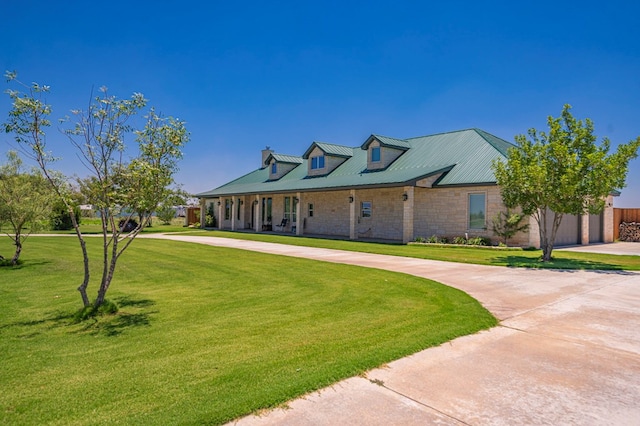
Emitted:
<point x="569" y="230"/>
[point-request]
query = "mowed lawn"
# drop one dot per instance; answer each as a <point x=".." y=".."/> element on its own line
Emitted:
<point x="204" y="334"/>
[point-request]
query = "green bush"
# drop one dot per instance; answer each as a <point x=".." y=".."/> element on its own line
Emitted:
<point x="61" y="219"/>
<point x="479" y="241"/>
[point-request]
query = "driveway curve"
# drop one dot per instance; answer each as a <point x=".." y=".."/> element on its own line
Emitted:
<point x="567" y="351"/>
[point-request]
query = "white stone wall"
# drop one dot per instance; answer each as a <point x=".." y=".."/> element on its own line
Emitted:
<point x="445" y="212"/>
<point x="330" y="213"/>
<point x="426" y="212"/>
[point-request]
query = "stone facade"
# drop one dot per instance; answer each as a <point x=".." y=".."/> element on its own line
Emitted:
<point x="396" y="214"/>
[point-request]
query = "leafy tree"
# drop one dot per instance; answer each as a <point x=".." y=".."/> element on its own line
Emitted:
<point x="507" y="224"/>
<point x="25" y="202"/>
<point x="166" y="213"/>
<point x="561" y="172"/>
<point x="116" y="187"/>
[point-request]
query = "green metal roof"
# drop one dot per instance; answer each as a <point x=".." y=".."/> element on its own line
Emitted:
<point x="463" y="156"/>
<point x="387" y="141"/>
<point x="281" y="158"/>
<point x="330" y="149"/>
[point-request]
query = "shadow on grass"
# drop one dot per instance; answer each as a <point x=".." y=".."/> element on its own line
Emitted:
<point x="115" y="324"/>
<point x="5" y="265"/>
<point x="565" y="265"/>
<point x="107" y="325"/>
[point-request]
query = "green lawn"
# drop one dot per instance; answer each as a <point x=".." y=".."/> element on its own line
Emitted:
<point x="204" y="334"/>
<point x="480" y="256"/>
<point x="93" y="226"/>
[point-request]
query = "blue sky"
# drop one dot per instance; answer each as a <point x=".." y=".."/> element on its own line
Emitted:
<point x="249" y="74"/>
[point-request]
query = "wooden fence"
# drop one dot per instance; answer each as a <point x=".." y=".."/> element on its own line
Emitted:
<point x="193" y="215"/>
<point x="623" y="215"/>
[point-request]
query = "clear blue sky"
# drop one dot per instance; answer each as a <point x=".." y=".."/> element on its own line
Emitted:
<point x="249" y="74"/>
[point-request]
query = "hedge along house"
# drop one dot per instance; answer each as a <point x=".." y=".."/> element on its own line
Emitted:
<point x="385" y="189"/>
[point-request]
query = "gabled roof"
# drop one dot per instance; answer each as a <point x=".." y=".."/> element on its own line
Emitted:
<point x="282" y="158"/>
<point x="462" y="157"/>
<point x="330" y="149"/>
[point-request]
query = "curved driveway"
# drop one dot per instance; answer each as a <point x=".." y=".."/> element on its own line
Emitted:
<point x="567" y="351"/>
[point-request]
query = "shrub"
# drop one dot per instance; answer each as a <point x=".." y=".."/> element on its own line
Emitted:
<point x="420" y="240"/>
<point x="479" y="241"/>
<point x="210" y="217"/>
<point x="127" y="226"/>
<point x="61" y="219"/>
<point x="459" y="240"/>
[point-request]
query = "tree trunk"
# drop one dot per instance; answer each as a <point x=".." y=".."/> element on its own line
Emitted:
<point x="83" y="245"/>
<point x="549" y="240"/>
<point x="18" y="244"/>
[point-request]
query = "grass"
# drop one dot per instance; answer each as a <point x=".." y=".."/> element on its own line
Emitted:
<point x="93" y="226"/>
<point x="474" y="255"/>
<point x="204" y="334"/>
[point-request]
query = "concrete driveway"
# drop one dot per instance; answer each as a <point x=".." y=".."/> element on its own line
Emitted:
<point x="567" y="351"/>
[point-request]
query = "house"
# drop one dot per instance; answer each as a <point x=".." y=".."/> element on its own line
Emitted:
<point x="384" y="189"/>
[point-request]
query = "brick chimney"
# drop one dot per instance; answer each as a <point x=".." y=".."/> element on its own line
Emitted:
<point x="265" y="154"/>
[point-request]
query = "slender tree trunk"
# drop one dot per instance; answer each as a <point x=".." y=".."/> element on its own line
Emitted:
<point x="18" y="244"/>
<point x="85" y="256"/>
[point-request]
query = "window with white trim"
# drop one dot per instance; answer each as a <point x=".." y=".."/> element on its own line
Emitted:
<point x="317" y="162"/>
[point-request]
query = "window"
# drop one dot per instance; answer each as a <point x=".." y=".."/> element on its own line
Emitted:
<point x="227" y="209"/>
<point x="266" y="210"/>
<point x="290" y="205"/>
<point x="238" y="209"/>
<point x="310" y="210"/>
<point x="477" y="211"/>
<point x="375" y="154"/>
<point x="317" y="162"/>
<point x="287" y="208"/>
<point x="365" y="209"/>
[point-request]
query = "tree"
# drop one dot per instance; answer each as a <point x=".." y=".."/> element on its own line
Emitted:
<point x="117" y="187"/>
<point x="61" y="219"/>
<point x="507" y="224"/>
<point x="166" y="213"/>
<point x="25" y="202"/>
<point x="561" y="172"/>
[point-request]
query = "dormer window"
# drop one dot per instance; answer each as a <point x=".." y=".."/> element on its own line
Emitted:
<point x="317" y="162"/>
<point x="274" y="168"/>
<point x="323" y="158"/>
<point x="383" y="151"/>
<point x="375" y="154"/>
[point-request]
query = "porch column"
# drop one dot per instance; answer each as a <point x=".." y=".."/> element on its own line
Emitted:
<point x="353" y="214"/>
<point x="220" y="215"/>
<point x="584" y="229"/>
<point x="299" y="218"/>
<point x="257" y="220"/>
<point x="607" y="221"/>
<point x="233" y="213"/>
<point x="203" y="213"/>
<point x="407" y="214"/>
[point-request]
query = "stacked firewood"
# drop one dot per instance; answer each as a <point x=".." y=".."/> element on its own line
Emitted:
<point x="630" y="231"/>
